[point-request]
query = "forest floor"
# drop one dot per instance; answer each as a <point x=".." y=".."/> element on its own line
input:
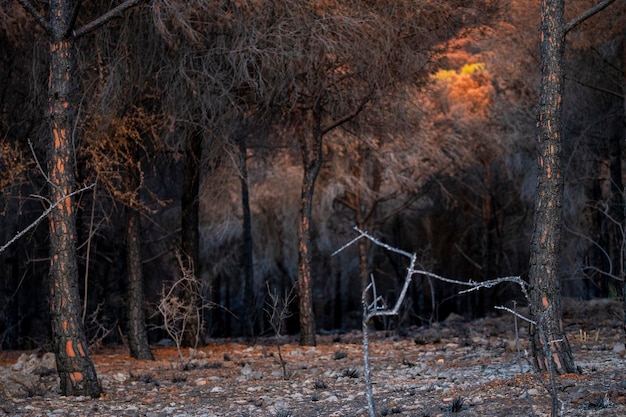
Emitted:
<point x="456" y="368"/>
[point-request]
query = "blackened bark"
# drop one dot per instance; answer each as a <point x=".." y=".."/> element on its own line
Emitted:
<point x="616" y="208"/>
<point x="75" y="367"/>
<point x="549" y="340"/>
<point x="311" y="151"/>
<point x="190" y="240"/>
<point x="623" y="152"/>
<point x="247" y="245"/>
<point x="137" y="334"/>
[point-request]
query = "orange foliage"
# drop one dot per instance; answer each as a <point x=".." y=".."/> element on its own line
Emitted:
<point x="467" y="93"/>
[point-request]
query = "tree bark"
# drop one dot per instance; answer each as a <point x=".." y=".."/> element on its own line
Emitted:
<point x="312" y="158"/>
<point x="549" y="341"/>
<point x="623" y="255"/>
<point x="190" y="240"/>
<point x="137" y="334"/>
<point x="247" y="245"/>
<point x="75" y="367"/>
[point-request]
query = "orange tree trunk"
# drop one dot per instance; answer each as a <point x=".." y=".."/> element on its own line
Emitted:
<point x="75" y="367"/>
<point x="311" y="150"/>
<point x="549" y="341"/>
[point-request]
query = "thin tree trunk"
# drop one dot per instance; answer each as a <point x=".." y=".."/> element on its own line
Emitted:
<point x="360" y="212"/>
<point x="311" y="150"/>
<point x="622" y="151"/>
<point x="549" y="341"/>
<point x="247" y="246"/>
<point x="137" y="334"/>
<point x="194" y="332"/>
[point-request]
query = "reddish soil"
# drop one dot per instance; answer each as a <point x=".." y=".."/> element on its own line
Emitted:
<point x="456" y="369"/>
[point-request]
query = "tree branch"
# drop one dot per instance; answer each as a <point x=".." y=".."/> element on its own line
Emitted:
<point x="587" y="14"/>
<point x="36" y="15"/>
<point x="105" y="18"/>
<point x="43" y="216"/>
<point x="346" y="118"/>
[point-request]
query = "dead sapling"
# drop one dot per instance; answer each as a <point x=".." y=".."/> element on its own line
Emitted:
<point x="277" y="310"/>
<point x="99" y="326"/>
<point x="375" y="306"/>
<point x="176" y="312"/>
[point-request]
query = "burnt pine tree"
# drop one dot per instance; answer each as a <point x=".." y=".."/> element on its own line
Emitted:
<point x="75" y="367"/>
<point x="137" y="334"/>
<point x="190" y="239"/>
<point x="549" y="340"/>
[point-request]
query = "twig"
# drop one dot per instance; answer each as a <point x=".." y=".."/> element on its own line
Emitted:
<point x="516" y="314"/>
<point x="43" y="216"/>
<point x="88" y="252"/>
<point x="277" y="315"/>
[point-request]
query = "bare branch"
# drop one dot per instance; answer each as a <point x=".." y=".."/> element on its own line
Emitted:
<point x="105" y="18"/>
<point x="371" y="310"/>
<point x="347" y="117"/>
<point x="43" y="216"/>
<point x="36" y="15"/>
<point x="587" y="14"/>
<point x="43" y="173"/>
<point x="474" y="285"/>
<point x="516" y="314"/>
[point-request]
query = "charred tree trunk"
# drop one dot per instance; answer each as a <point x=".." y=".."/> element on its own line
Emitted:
<point x="623" y="152"/>
<point x="247" y="245"/>
<point x="549" y="340"/>
<point x="75" y="367"/>
<point x="312" y="157"/>
<point x="194" y="332"/>
<point x="137" y="334"/>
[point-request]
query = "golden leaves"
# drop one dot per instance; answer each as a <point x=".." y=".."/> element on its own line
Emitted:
<point x="114" y="149"/>
<point x="468" y="92"/>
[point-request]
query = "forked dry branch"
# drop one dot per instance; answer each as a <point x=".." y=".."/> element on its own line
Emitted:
<point x="378" y="308"/>
<point x="277" y="310"/>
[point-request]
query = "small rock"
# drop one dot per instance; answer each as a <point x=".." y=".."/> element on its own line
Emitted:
<point x="48" y="361"/>
<point x="454" y="318"/>
<point x="166" y="342"/>
<point x="119" y="377"/>
<point x="619" y="347"/>
<point x="246" y="370"/>
<point x="428" y="336"/>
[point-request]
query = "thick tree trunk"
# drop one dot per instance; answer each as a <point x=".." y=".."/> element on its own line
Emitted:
<point x="195" y="331"/>
<point x="311" y="150"/>
<point x="75" y="367"/>
<point x="247" y="246"/>
<point x="137" y="334"/>
<point x="551" y="349"/>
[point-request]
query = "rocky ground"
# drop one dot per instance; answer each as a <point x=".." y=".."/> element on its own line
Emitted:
<point x="456" y="368"/>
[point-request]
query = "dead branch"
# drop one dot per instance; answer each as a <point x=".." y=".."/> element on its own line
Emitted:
<point x="378" y="308"/>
